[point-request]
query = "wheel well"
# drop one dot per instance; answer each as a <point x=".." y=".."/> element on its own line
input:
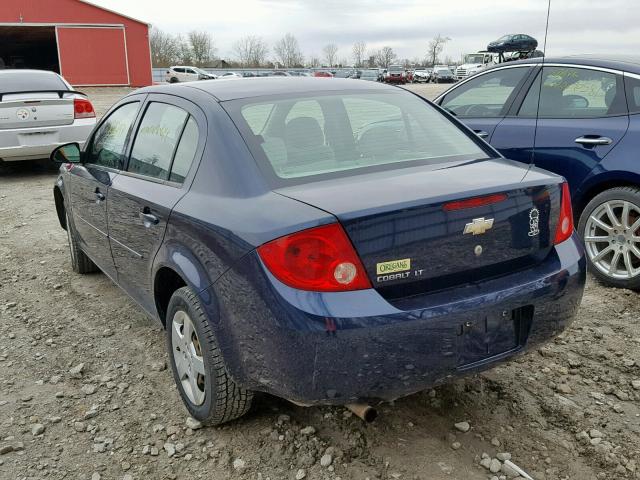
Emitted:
<point x="59" y="199"/>
<point x="597" y="189"/>
<point x="166" y="282"/>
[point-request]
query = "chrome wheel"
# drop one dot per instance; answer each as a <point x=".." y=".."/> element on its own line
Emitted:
<point x="612" y="239"/>
<point x="187" y="356"/>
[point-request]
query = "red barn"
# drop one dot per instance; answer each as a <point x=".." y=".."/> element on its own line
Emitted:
<point x="87" y="44"/>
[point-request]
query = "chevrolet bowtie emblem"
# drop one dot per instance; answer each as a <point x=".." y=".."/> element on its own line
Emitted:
<point x="478" y="226"/>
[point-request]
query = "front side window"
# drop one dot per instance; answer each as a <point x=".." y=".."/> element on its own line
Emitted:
<point x="569" y="92"/>
<point x="486" y="95"/>
<point x="632" y="87"/>
<point x="156" y="140"/>
<point x="107" y="146"/>
<point x="326" y="134"/>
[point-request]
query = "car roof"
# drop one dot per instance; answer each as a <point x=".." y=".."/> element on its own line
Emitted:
<point x="15" y="71"/>
<point x="224" y="90"/>
<point x="627" y="63"/>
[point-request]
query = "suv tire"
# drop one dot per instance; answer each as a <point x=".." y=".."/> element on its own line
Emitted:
<point x="619" y="240"/>
<point x="210" y="395"/>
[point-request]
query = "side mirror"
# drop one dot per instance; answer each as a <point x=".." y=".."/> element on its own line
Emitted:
<point x="68" y="153"/>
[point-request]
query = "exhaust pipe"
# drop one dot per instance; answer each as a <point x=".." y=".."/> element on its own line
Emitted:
<point x="364" y="411"/>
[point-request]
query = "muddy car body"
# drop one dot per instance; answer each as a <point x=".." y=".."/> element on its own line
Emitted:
<point x="287" y="256"/>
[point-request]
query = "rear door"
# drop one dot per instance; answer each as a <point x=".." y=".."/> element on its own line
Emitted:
<point x="582" y="117"/>
<point x="169" y="136"/>
<point x="89" y="183"/>
<point x="483" y="101"/>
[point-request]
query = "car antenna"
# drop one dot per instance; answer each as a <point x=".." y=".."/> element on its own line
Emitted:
<point x="544" y="55"/>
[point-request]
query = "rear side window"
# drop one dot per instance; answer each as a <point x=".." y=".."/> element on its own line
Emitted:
<point x="25" y="81"/>
<point x="484" y="96"/>
<point x="185" y="153"/>
<point x="575" y="93"/>
<point x="156" y="140"/>
<point x="333" y="134"/>
<point x="632" y="87"/>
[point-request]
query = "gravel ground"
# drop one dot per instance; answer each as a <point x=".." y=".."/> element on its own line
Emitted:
<point x="85" y="392"/>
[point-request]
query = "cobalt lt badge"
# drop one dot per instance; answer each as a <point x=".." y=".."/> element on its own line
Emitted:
<point x="534" y="222"/>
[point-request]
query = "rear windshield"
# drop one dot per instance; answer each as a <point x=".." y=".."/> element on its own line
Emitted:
<point x="331" y="135"/>
<point x="27" y="81"/>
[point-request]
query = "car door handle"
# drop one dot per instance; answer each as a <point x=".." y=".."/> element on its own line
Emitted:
<point x="481" y="133"/>
<point x="149" y="219"/>
<point x="592" y="141"/>
<point x="99" y="196"/>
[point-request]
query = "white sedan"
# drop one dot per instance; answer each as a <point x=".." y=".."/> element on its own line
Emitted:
<point x="39" y="111"/>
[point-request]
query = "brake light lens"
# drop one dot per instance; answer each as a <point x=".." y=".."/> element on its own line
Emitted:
<point x="320" y="259"/>
<point x="82" y="108"/>
<point x="474" y="202"/>
<point x="565" y="222"/>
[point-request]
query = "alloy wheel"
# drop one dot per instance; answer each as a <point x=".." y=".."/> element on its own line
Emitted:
<point x="187" y="356"/>
<point x="612" y="239"/>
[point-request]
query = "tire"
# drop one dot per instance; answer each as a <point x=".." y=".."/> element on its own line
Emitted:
<point x="80" y="263"/>
<point x="621" y="240"/>
<point x="212" y="398"/>
<point x="173" y="80"/>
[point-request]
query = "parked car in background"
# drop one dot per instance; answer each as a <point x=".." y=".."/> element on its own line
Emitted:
<point x="179" y="74"/>
<point x="513" y="43"/>
<point x="322" y="73"/>
<point x="280" y="73"/>
<point x="395" y="74"/>
<point x="421" y="76"/>
<point x="231" y="75"/>
<point x="442" y="74"/>
<point x="40" y="110"/>
<point x="587" y="129"/>
<point x="249" y="219"/>
<point x="370" y="74"/>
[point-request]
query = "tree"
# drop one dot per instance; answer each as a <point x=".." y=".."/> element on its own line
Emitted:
<point x="385" y="56"/>
<point x="287" y="51"/>
<point x="359" y="49"/>
<point x="165" y="48"/>
<point x="202" y="48"/>
<point x="251" y="51"/>
<point x="314" y="61"/>
<point x="436" y="45"/>
<point x="185" y="54"/>
<point x="330" y="51"/>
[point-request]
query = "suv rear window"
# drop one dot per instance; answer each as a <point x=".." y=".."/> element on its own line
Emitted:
<point x="340" y="134"/>
<point x="17" y="81"/>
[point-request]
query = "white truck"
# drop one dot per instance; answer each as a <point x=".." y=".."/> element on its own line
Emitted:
<point x="474" y="63"/>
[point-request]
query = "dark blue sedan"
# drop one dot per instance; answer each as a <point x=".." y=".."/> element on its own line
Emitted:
<point x="587" y="130"/>
<point x="335" y="242"/>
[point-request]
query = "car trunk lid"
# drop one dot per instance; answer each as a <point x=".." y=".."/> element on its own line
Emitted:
<point x="41" y="109"/>
<point x="415" y="232"/>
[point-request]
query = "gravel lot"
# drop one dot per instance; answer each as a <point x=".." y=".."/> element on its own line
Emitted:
<point x="85" y="392"/>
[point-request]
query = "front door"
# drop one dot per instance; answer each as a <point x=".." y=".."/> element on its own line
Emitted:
<point x="482" y="102"/>
<point x="142" y="197"/>
<point x="89" y="184"/>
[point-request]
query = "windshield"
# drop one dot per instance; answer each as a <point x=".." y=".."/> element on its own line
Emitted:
<point x="396" y="68"/>
<point x="316" y="135"/>
<point x="474" y="59"/>
<point x="504" y="39"/>
<point x="443" y="70"/>
<point x="200" y="71"/>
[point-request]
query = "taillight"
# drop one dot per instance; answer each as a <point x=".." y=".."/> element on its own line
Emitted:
<point x="565" y="221"/>
<point x="320" y="259"/>
<point x="82" y="108"/>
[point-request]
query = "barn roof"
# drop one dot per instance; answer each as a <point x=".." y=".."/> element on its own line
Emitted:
<point x="113" y="11"/>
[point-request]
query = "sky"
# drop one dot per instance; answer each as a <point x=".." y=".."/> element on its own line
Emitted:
<point x="575" y="27"/>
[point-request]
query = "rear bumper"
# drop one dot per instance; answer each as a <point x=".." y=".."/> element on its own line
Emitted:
<point x="338" y="348"/>
<point x="395" y="80"/>
<point x="38" y="142"/>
